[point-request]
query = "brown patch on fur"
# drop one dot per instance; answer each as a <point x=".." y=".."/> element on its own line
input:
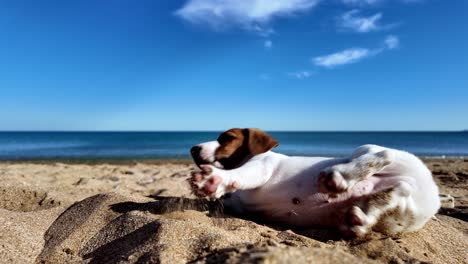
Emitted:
<point x="379" y="199"/>
<point x="389" y="217"/>
<point x="394" y="216"/>
<point x="259" y="141"/>
<point x="384" y="223"/>
<point x="237" y="145"/>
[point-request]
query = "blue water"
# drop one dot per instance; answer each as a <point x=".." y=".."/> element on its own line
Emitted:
<point x="176" y="145"/>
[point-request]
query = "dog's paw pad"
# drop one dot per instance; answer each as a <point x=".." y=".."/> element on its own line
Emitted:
<point x="211" y="185"/>
<point x="206" y="169"/>
<point x="209" y="182"/>
<point x="197" y="176"/>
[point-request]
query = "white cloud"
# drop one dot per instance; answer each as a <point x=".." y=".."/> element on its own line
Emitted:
<point x="263" y="31"/>
<point x="252" y="15"/>
<point x="347" y="56"/>
<point x="300" y="74"/>
<point x="374" y="2"/>
<point x="354" y="55"/>
<point x="362" y="2"/>
<point x="392" y="42"/>
<point x="268" y="44"/>
<point x="352" y="21"/>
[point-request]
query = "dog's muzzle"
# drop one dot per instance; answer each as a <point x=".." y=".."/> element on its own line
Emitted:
<point x="195" y="152"/>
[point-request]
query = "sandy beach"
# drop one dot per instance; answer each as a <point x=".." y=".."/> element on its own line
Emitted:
<point x="143" y="212"/>
<point x="106" y="105"/>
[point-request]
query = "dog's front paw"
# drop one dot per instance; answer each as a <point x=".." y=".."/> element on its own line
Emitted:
<point x="331" y="180"/>
<point x="211" y="182"/>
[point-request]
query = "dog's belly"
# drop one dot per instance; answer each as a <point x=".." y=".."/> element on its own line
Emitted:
<point x="292" y="197"/>
<point x="302" y="205"/>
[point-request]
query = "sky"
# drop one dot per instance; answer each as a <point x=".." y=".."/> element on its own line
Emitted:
<point x="318" y="65"/>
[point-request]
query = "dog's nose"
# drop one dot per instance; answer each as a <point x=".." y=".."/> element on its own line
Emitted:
<point x="195" y="150"/>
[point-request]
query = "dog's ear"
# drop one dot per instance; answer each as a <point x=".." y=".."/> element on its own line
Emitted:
<point x="259" y="141"/>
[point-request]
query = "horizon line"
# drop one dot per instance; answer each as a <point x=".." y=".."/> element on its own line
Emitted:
<point x="207" y="131"/>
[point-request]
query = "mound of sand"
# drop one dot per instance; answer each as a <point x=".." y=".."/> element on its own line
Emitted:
<point x="108" y="228"/>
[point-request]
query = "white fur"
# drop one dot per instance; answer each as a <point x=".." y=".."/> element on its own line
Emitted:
<point x="208" y="151"/>
<point x="290" y="190"/>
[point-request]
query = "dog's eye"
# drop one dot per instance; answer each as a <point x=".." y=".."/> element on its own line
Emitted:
<point x="225" y="138"/>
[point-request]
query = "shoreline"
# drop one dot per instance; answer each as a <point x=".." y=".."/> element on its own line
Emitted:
<point x="160" y="161"/>
<point x="100" y="161"/>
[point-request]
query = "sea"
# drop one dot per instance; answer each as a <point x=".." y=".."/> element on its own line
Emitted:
<point x="89" y="146"/>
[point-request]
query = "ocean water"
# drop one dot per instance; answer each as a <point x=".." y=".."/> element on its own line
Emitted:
<point x="176" y="145"/>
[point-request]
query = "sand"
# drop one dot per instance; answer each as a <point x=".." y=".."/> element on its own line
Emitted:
<point x="144" y="213"/>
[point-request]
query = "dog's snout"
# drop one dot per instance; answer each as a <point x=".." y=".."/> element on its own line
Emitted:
<point x="195" y="150"/>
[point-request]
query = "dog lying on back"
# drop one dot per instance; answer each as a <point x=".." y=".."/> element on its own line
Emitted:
<point x="376" y="188"/>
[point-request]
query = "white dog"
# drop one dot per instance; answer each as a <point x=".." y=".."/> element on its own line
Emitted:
<point x="376" y="188"/>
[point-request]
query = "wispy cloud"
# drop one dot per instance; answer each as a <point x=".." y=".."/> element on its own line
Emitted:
<point x="362" y="2"/>
<point x="263" y="31"/>
<point x="374" y="2"/>
<point x="300" y="74"/>
<point x="353" y="21"/>
<point x="392" y="42"/>
<point x="353" y="55"/>
<point x="253" y="15"/>
<point x="346" y="56"/>
<point x="268" y="44"/>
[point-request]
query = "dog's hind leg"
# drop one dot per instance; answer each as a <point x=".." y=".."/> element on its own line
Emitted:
<point x="389" y="211"/>
<point x="365" y="162"/>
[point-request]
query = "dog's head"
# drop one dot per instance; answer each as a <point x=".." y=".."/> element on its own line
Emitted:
<point x="233" y="147"/>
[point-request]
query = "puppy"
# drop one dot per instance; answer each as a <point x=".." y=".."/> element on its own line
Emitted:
<point x="376" y="188"/>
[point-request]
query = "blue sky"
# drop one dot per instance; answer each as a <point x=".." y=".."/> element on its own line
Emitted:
<point x="216" y="64"/>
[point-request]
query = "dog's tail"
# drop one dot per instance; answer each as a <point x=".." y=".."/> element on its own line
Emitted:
<point x="447" y="200"/>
